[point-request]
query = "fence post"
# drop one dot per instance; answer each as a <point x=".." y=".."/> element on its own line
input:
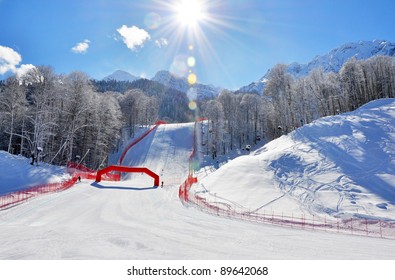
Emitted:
<point x="367" y="232"/>
<point x="351" y="226"/>
<point x="272" y="217"/>
<point x="325" y="223"/>
<point x="313" y="221"/>
<point x="292" y="219"/>
<point x="381" y="233"/>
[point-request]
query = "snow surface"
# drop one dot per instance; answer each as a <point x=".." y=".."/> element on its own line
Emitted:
<point x="132" y="220"/>
<point x="16" y="173"/>
<point x="338" y="166"/>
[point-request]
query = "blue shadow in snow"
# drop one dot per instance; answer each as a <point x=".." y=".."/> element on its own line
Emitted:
<point x="97" y="185"/>
<point x="376" y="150"/>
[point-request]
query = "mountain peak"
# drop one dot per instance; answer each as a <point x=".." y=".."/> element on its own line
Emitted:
<point x="121" y="76"/>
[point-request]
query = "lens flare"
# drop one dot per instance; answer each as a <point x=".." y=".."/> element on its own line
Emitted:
<point x="192" y="79"/>
<point x="191" y="61"/>
<point x="195" y="165"/>
<point x="192" y="105"/>
<point x="152" y="21"/>
<point x="179" y="66"/>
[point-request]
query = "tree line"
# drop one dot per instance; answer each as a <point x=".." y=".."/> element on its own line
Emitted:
<point x="64" y="117"/>
<point x="71" y="115"/>
<point x="240" y="120"/>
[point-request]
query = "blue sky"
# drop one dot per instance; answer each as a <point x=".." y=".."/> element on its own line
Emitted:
<point x="229" y="43"/>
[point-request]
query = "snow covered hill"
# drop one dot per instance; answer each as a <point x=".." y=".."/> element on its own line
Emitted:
<point x="338" y="166"/>
<point x="333" y="61"/>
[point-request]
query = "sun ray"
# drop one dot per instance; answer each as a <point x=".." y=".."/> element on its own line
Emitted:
<point x="189" y="12"/>
<point x="188" y="23"/>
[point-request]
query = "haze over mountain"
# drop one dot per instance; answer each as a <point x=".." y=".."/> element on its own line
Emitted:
<point x="196" y="91"/>
<point x="121" y="76"/>
<point x="332" y="61"/>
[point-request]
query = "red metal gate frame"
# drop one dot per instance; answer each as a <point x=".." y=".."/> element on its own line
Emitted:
<point x="120" y="168"/>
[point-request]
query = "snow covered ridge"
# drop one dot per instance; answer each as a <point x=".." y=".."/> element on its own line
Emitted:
<point x="336" y="167"/>
<point x="332" y="61"/>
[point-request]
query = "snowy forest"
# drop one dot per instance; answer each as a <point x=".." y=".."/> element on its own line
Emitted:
<point x="238" y="120"/>
<point x="64" y="117"/>
<point x="70" y="116"/>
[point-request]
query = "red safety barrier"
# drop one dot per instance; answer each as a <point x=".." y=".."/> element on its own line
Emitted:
<point x="86" y="173"/>
<point x="79" y="166"/>
<point x="119" y="168"/>
<point x="17" y="197"/>
<point x="355" y="226"/>
<point x="77" y="171"/>
<point x="138" y="139"/>
<point x="183" y="191"/>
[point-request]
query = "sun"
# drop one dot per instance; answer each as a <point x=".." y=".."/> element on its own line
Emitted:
<point x="189" y="12"/>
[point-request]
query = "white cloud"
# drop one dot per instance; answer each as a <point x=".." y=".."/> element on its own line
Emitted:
<point x="9" y="59"/>
<point x="162" y="42"/>
<point x="23" y="69"/>
<point x="81" y="47"/>
<point x="133" y="36"/>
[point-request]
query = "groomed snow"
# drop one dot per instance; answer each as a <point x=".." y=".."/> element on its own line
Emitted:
<point x="126" y="220"/>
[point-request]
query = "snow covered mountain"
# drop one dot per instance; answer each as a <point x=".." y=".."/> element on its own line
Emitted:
<point x="332" y="61"/>
<point x="199" y="91"/>
<point x="121" y="76"/>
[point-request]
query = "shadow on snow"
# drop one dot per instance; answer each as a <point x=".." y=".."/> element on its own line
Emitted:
<point x="99" y="186"/>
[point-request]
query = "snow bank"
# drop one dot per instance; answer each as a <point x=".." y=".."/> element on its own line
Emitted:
<point x="16" y="173"/>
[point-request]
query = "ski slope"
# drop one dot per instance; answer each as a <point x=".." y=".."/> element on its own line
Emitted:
<point x="164" y="151"/>
<point x="132" y="220"/>
<point x="336" y="167"/>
